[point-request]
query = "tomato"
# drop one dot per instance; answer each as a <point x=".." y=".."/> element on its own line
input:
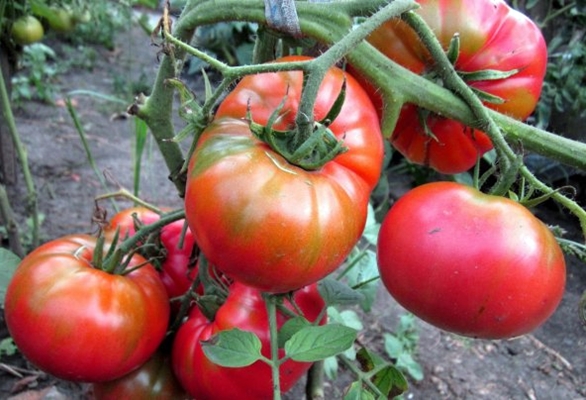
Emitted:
<point x="81" y="323"/>
<point x="493" y="36"/>
<point x="26" y="30"/>
<point x="60" y="20"/>
<point x="475" y="264"/>
<point x="244" y="309"/>
<point x="266" y="222"/>
<point x="174" y="253"/>
<point x="154" y="380"/>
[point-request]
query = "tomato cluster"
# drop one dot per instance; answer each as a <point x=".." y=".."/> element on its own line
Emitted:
<point x="479" y="265"/>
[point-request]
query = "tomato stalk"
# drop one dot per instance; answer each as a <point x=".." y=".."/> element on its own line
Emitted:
<point x="271" y="301"/>
<point x="32" y="205"/>
<point x="511" y="162"/>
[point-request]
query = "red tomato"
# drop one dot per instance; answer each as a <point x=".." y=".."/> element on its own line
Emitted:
<point x="177" y="273"/>
<point x="244" y="309"/>
<point x="78" y="322"/>
<point x="470" y="263"/>
<point x="493" y="36"/>
<point x="154" y="380"/>
<point x="264" y="221"/>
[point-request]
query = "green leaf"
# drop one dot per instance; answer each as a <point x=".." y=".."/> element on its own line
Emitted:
<point x="390" y="381"/>
<point x="290" y="328"/>
<point x="348" y="318"/>
<point x="315" y="343"/>
<point x="331" y="368"/>
<point x="407" y="363"/>
<point x="335" y="292"/>
<point x="8" y="263"/>
<point x="234" y="348"/>
<point x="393" y="346"/>
<point x="372" y="227"/>
<point x="358" y="392"/>
<point x="365" y="270"/>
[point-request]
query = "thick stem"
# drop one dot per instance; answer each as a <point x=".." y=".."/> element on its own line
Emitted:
<point x="271" y="304"/>
<point x="314" y="389"/>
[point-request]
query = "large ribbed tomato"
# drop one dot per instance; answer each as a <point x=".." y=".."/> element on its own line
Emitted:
<point x="81" y="323"/>
<point x="266" y="222"/>
<point x="493" y="36"/>
<point x="470" y="263"/>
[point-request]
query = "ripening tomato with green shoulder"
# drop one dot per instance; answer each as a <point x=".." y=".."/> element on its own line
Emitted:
<point x="492" y="37"/>
<point x="78" y="322"/>
<point x="470" y="263"/>
<point x="264" y="221"/>
<point x="244" y="309"/>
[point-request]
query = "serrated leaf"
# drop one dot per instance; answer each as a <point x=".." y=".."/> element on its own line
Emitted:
<point x="8" y="263"/>
<point x="335" y="292"/>
<point x="316" y="343"/>
<point x="234" y="348"/>
<point x="290" y="328"/>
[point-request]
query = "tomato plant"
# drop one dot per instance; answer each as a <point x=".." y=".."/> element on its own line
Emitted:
<point x="81" y="323"/>
<point x="173" y="247"/>
<point x="244" y="309"/>
<point x="26" y="30"/>
<point x="494" y="39"/>
<point x="154" y="380"/>
<point x="264" y="221"/>
<point x="470" y="263"/>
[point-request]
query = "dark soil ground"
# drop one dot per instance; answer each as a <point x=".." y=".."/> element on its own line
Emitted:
<point x="548" y="364"/>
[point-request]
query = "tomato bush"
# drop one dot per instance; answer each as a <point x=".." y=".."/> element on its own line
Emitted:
<point x="173" y="250"/>
<point x="264" y="221"/>
<point x="492" y="37"/>
<point x="26" y="30"/>
<point x="474" y="264"/>
<point x="81" y="323"/>
<point x="154" y="380"/>
<point x="244" y="309"/>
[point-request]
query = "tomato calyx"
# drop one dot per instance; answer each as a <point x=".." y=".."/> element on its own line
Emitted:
<point x="308" y="151"/>
<point x="452" y="54"/>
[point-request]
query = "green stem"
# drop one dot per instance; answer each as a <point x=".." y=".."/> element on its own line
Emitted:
<point x="488" y="124"/>
<point x="314" y="389"/>
<point x="364" y="378"/>
<point x="271" y="304"/>
<point x="32" y="205"/>
<point x="7" y="216"/>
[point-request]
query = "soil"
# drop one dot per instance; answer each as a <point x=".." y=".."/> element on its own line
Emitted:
<point x="547" y="364"/>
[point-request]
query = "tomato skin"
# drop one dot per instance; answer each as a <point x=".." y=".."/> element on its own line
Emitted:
<point x="492" y="36"/>
<point x="177" y="273"/>
<point x="268" y="223"/>
<point x="80" y="323"/>
<point x="154" y="380"/>
<point x="26" y="30"/>
<point x="244" y="309"/>
<point x="485" y="267"/>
